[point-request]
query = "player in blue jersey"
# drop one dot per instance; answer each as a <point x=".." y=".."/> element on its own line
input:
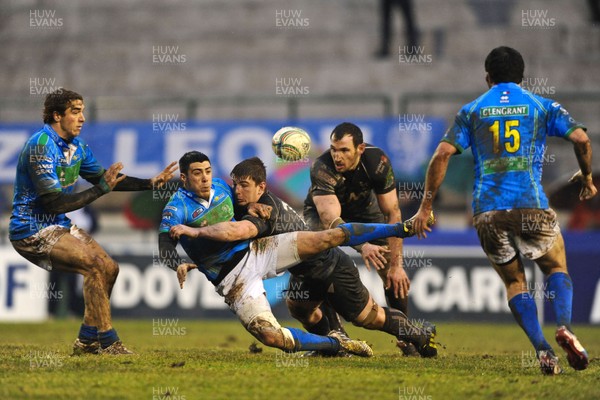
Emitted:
<point x="506" y="129"/>
<point x="48" y="168"/>
<point x="238" y="267"/>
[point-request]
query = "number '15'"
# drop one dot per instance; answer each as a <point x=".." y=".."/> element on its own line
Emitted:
<point x="511" y="136"/>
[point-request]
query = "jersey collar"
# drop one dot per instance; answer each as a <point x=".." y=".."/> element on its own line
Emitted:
<point x="198" y="199"/>
<point x="59" y="141"/>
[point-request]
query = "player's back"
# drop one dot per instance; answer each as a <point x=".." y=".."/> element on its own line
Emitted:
<point x="506" y="129"/>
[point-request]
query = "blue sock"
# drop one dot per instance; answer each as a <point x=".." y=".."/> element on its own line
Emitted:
<point x="107" y="337"/>
<point x="525" y="312"/>
<point x="560" y="289"/>
<point x="362" y="233"/>
<point x="309" y="341"/>
<point x="88" y="334"/>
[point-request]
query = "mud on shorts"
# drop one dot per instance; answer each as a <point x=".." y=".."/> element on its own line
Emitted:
<point x="37" y="248"/>
<point x="504" y="234"/>
<point x="343" y="288"/>
<point x="243" y="287"/>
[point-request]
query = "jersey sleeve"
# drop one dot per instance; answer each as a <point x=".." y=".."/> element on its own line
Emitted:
<point x="41" y="164"/>
<point x="458" y="134"/>
<point x="173" y="214"/>
<point x="323" y="180"/>
<point x="559" y="121"/>
<point x="264" y="227"/>
<point x="382" y="174"/>
<point x="90" y="167"/>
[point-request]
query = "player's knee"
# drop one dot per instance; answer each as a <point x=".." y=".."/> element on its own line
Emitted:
<point x="300" y="310"/>
<point x="370" y="316"/>
<point x="268" y="331"/>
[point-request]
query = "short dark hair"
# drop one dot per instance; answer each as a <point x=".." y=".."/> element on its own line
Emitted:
<point x="505" y="64"/>
<point x="252" y="168"/>
<point x="347" y="128"/>
<point x="189" y="158"/>
<point x="58" y="101"/>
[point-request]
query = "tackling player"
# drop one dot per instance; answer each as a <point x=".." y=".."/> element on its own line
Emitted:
<point x="48" y="168"/>
<point x="238" y="267"/>
<point x="354" y="181"/>
<point x="506" y="128"/>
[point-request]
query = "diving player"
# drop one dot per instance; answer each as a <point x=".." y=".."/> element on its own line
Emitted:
<point x="506" y="128"/>
<point x="48" y="168"/>
<point x="237" y="268"/>
<point x="330" y="274"/>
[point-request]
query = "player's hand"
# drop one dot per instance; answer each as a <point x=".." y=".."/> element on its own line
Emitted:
<point x="178" y="231"/>
<point x="260" y="210"/>
<point x="588" y="190"/>
<point x="182" y="271"/>
<point x="373" y="254"/>
<point x="165" y="176"/>
<point x="398" y="281"/>
<point x="111" y="175"/>
<point x="420" y="222"/>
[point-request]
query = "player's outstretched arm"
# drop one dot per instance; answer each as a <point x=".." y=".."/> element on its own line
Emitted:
<point x="60" y="202"/>
<point x="228" y="231"/>
<point x="132" y="184"/>
<point x="436" y="172"/>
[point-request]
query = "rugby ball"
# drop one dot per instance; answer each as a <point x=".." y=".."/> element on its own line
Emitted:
<point x="291" y="143"/>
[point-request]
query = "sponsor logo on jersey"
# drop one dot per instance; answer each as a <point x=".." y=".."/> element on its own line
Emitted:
<point x="504" y="111"/>
<point x="173" y="208"/>
<point x="197" y="212"/>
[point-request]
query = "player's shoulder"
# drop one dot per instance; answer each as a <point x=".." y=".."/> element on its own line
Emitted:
<point x="43" y="139"/>
<point x="374" y="157"/>
<point x="324" y="161"/>
<point x="269" y="199"/>
<point x="220" y="184"/>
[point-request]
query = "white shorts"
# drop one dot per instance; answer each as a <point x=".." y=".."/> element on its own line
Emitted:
<point x="267" y="257"/>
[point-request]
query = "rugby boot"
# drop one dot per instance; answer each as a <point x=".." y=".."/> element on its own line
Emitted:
<point x="576" y="354"/>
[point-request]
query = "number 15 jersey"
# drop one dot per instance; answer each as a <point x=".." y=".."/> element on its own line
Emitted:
<point x="506" y="128"/>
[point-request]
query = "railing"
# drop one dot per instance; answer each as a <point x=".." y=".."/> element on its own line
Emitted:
<point x="190" y="107"/>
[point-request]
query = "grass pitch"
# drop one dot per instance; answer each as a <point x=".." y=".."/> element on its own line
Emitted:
<point x="188" y="360"/>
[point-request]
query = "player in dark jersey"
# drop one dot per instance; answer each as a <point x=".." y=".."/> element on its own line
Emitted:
<point x="237" y="266"/>
<point x="354" y="182"/>
<point x="506" y="128"/>
<point x="330" y="274"/>
<point x="48" y="168"/>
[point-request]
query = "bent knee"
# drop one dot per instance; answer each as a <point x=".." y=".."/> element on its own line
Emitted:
<point x="268" y="331"/>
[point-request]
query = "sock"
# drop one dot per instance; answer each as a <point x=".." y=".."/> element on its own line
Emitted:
<point x="332" y="318"/>
<point x="307" y="341"/>
<point x="397" y="324"/>
<point x="560" y="289"/>
<point x="88" y="334"/>
<point x="360" y="233"/>
<point x="320" y="328"/>
<point x="107" y="338"/>
<point x="525" y="312"/>
<point x="400" y="303"/>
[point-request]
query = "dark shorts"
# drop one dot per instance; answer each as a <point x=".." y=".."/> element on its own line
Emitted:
<point x="504" y="234"/>
<point x="343" y="289"/>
